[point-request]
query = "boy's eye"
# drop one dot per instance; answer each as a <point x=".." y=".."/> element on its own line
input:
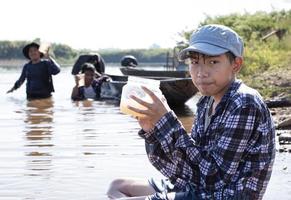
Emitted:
<point x="212" y="62"/>
<point x="191" y="61"/>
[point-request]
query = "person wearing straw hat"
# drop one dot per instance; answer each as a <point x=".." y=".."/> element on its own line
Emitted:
<point x="231" y="149"/>
<point x="38" y="73"/>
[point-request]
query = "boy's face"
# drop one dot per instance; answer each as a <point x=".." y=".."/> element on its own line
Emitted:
<point x="213" y="74"/>
<point x="33" y="53"/>
<point x="88" y="77"/>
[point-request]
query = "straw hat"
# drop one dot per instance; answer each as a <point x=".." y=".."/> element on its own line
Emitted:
<point x="27" y="47"/>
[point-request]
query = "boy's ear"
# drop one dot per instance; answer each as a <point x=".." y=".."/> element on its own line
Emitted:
<point x="237" y="64"/>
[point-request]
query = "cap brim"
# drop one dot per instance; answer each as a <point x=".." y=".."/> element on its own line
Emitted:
<point x="203" y="48"/>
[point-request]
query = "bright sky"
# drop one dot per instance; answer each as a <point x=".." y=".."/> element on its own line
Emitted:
<point x="98" y="24"/>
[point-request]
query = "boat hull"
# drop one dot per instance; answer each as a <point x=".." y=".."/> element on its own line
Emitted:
<point x="154" y="73"/>
<point x="176" y="90"/>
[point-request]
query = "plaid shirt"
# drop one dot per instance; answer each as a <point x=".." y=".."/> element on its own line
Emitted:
<point x="233" y="156"/>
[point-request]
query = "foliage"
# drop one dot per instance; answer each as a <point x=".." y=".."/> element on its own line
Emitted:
<point x="259" y="55"/>
<point x="154" y="55"/>
<point x="64" y="51"/>
<point x="13" y="50"/>
<point x="250" y="26"/>
<point x="65" y="54"/>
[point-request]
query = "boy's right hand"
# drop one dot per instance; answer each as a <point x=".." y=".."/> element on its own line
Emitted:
<point x="11" y="90"/>
<point x="146" y="124"/>
<point x="154" y="111"/>
<point x="77" y="80"/>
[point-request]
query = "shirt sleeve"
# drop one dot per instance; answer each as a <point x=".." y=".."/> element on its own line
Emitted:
<point x="21" y="79"/>
<point x="53" y="66"/>
<point x="179" y="158"/>
<point x="104" y="78"/>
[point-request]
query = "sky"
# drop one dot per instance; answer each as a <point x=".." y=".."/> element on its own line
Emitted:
<point x="122" y="24"/>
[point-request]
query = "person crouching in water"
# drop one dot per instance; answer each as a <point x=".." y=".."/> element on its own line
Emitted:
<point x="38" y="73"/>
<point x="88" y="84"/>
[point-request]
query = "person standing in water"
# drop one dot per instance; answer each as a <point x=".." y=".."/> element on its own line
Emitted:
<point x="38" y="73"/>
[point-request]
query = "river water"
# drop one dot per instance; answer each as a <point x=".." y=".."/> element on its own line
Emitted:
<point x="59" y="149"/>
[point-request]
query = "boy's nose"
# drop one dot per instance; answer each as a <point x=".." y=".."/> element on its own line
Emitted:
<point x="201" y="71"/>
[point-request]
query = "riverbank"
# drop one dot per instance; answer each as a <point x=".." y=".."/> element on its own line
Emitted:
<point x="12" y="62"/>
<point x="272" y="84"/>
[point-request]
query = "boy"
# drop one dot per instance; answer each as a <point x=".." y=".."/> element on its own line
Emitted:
<point x="231" y="150"/>
<point x="38" y="73"/>
<point x="91" y="88"/>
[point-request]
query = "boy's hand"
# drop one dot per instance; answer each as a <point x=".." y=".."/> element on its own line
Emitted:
<point x="154" y="111"/>
<point x="77" y="79"/>
<point x="11" y="90"/>
<point x="146" y="124"/>
<point x="45" y="48"/>
<point x="46" y="55"/>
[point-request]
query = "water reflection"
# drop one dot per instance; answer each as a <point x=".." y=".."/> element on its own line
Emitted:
<point x="88" y="103"/>
<point x="38" y="132"/>
<point x="92" y="118"/>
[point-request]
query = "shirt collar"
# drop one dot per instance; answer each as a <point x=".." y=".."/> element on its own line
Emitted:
<point x="235" y="84"/>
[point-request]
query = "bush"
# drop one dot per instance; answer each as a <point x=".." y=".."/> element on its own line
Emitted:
<point x="259" y="55"/>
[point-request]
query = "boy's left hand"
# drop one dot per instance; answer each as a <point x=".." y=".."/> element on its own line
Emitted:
<point x="46" y="54"/>
<point x="154" y="111"/>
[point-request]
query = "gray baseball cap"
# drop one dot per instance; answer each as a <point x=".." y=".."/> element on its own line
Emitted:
<point x="214" y="40"/>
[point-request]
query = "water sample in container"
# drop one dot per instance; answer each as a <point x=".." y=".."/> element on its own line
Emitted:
<point x="80" y="79"/>
<point x="44" y="47"/>
<point x="133" y="87"/>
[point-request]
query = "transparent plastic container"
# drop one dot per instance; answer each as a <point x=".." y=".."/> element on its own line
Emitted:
<point x="44" y="47"/>
<point x="80" y="79"/>
<point x="133" y="87"/>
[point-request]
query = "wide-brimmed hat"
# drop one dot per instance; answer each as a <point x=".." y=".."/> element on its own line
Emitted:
<point x="214" y="40"/>
<point x="26" y="49"/>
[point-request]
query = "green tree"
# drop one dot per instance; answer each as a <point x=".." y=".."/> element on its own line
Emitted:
<point x="63" y="51"/>
<point x="259" y="55"/>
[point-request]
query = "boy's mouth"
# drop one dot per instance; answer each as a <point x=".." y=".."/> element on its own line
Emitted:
<point x="205" y="83"/>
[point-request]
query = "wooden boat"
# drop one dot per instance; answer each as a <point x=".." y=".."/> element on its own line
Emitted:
<point x="176" y="86"/>
<point x="93" y="58"/>
<point x="285" y="138"/>
<point x="176" y="90"/>
<point x="129" y="71"/>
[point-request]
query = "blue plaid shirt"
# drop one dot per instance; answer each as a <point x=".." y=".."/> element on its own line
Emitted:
<point x="233" y="156"/>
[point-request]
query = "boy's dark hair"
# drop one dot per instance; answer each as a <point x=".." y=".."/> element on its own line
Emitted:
<point x="89" y="67"/>
<point x="230" y="56"/>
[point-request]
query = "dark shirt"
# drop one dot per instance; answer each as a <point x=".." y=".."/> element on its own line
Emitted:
<point x="39" y="80"/>
<point x="233" y="156"/>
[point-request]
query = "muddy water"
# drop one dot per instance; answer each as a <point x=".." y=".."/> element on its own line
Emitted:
<point x="59" y="149"/>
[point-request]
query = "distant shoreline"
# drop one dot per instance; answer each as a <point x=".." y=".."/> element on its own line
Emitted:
<point x="12" y="62"/>
<point x="20" y="62"/>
